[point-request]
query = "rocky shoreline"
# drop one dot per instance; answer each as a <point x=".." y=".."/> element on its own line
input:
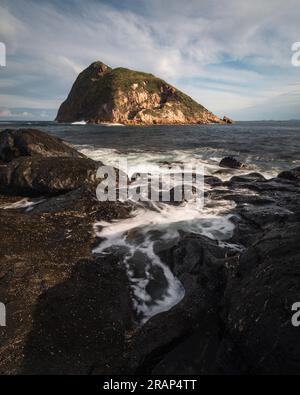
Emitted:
<point x="69" y="311"/>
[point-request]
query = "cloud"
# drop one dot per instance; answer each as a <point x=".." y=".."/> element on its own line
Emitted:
<point x="228" y="56"/>
<point x="25" y="113"/>
<point x="5" y="113"/>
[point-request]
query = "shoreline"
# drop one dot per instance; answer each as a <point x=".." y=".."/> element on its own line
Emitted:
<point x="68" y="272"/>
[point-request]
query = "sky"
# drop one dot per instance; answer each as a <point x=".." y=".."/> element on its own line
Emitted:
<point x="233" y="56"/>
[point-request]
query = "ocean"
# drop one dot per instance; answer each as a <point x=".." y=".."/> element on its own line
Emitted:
<point x="265" y="147"/>
<point x="268" y="147"/>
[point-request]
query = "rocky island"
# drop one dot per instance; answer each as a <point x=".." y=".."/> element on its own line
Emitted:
<point x="101" y="94"/>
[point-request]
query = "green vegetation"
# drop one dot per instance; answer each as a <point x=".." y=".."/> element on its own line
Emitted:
<point x="123" y="79"/>
<point x="98" y="89"/>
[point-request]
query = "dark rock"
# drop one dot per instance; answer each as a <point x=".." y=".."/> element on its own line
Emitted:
<point x="213" y="181"/>
<point x="291" y="175"/>
<point x="199" y="264"/>
<point x="80" y="324"/>
<point x="265" y="215"/>
<point x="244" y="199"/>
<point x="224" y="172"/>
<point x="83" y="202"/>
<point x="231" y="162"/>
<point x="60" y="300"/>
<point x="39" y="176"/>
<point x="258" y="305"/>
<point x="228" y="120"/>
<point x="70" y="312"/>
<point x="248" y="178"/>
<point x="29" y="142"/>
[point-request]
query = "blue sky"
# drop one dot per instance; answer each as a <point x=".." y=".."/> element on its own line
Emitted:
<point x="233" y="56"/>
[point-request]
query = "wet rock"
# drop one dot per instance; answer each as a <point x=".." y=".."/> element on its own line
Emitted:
<point x="213" y="181"/>
<point x="195" y="353"/>
<point x="265" y="215"/>
<point x="258" y="305"/>
<point x="291" y="175"/>
<point x="199" y="264"/>
<point x="71" y="312"/>
<point x="231" y="162"/>
<point x="15" y="143"/>
<point x="245" y="199"/>
<point x="39" y="176"/>
<point x="248" y="178"/>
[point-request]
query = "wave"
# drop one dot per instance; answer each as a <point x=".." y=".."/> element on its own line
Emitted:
<point x="26" y="203"/>
<point x="79" y="123"/>
<point x="155" y="162"/>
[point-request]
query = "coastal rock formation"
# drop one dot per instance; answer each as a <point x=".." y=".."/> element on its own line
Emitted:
<point x="70" y="311"/>
<point x="232" y="163"/>
<point x="38" y="176"/>
<point x="258" y="304"/>
<point x="292" y="175"/>
<point x="240" y="319"/>
<point x="228" y="120"/>
<point x="101" y="94"/>
<point x="59" y="298"/>
<point x="32" y="142"/>
<point x="37" y="164"/>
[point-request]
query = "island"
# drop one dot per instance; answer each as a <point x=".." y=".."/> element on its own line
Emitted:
<point x="101" y="94"/>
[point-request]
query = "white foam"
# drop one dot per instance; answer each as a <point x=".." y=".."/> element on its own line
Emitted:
<point x="109" y="124"/>
<point x="25" y="203"/>
<point x="139" y="233"/>
<point x="154" y="221"/>
<point x="154" y="161"/>
<point x="79" y="123"/>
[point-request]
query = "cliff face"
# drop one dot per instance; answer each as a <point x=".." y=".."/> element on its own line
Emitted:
<point x="101" y="94"/>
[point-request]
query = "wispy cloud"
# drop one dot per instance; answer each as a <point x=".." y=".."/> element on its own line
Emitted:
<point x="230" y="56"/>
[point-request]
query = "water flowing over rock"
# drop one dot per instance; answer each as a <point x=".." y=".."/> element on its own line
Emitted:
<point x="72" y="311"/>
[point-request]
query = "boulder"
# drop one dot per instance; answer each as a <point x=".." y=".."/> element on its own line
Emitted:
<point x="228" y="120"/>
<point x="46" y="176"/>
<point x="291" y="175"/>
<point x="231" y="162"/>
<point x="15" y="143"/>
